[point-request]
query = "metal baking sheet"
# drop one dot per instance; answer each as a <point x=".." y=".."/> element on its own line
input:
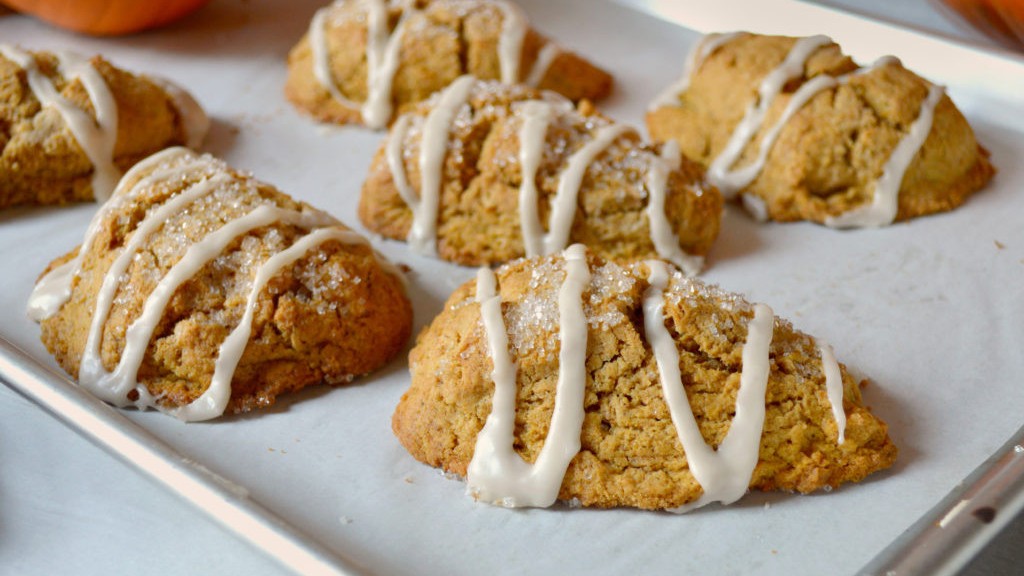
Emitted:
<point x="928" y="310"/>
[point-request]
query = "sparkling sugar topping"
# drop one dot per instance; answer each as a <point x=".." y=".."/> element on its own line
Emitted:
<point x="545" y="122"/>
<point x="209" y="178"/>
<point x="560" y="299"/>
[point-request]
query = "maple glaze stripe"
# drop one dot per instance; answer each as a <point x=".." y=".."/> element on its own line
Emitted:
<point x="724" y="474"/>
<point x="95" y="137"/>
<point x="433" y="148"/>
<point x="834" y="388"/>
<point x="214" y="399"/>
<point x="696" y="56"/>
<point x="91" y="366"/>
<point x="114" y="387"/>
<point x="884" y="205"/>
<point x="537" y="116"/>
<point x="497" y="474"/>
<point x="719" y="172"/>
<point x="666" y="243"/>
<point x="565" y="202"/>
<point x="383" y="50"/>
<point x="53" y="289"/>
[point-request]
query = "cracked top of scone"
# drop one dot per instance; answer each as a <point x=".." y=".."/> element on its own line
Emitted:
<point x="450" y="178"/>
<point x="614" y="364"/>
<point x="801" y="132"/>
<point x="364" y="60"/>
<point x="200" y="290"/>
<point x="70" y="125"/>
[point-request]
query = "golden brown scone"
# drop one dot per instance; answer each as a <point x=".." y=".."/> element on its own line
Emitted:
<point x="855" y="136"/>
<point x="630" y="453"/>
<point x="69" y="126"/>
<point x="206" y="237"/>
<point x="609" y="205"/>
<point x="342" y="71"/>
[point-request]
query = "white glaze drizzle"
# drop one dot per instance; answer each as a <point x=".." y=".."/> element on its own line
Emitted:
<point x="96" y="137"/>
<point x="885" y="202"/>
<point x="755" y="206"/>
<point x="382" y="63"/>
<point x="747" y="174"/>
<point x="696" y="56"/>
<point x="383" y="47"/>
<point x="433" y="147"/>
<point x="115" y="387"/>
<point x="564" y="204"/>
<point x="321" y="55"/>
<point x="536" y="118"/>
<point x="740" y="178"/>
<point x="54" y="288"/>
<point x="510" y="42"/>
<point x="545" y="58"/>
<point x="382" y="51"/>
<point x="497" y="474"/>
<point x="215" y="398"/>
<point x="194" y="121"/>
<point x="394" y="158"/>
<point x="724" y="474"/>
<point x="91" y="365"/>
<point x="834" y="388"/>
<point x="665" y="241"/>
<point x="719" y="173"/>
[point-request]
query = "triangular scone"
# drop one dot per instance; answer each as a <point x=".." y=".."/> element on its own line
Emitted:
<point x="70" y="125"/>
<point x="582" y="368"/>
<point x="201" y="290"/>
<point x="801" y="133"/>
<point x="449" y="179"/>
<point x="363" y="60"/>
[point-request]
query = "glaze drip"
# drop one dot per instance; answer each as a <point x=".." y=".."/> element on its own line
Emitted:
<point x="120" y="386"/>
<point x="98" y="137"/>
<point x="834" y="387"/>
<point x="723" y="473"/>
<point x="707" y="46"/>
<point x="728" y="181"/>
<point x="665" y="240"/>
<point x="537" y="117"/>
<point x="383" y="47"/>
<point x="497" y="474"/>
<point x="884" y="205"/>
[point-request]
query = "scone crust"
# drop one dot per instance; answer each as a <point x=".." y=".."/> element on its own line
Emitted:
<point x="829" y="155"/>
<point x="479" y="216"/>
<point x="334" y="314"/>
<point x="40" y="160"/>
<point x="631" y="455"/>
<point x="445" y="40"/>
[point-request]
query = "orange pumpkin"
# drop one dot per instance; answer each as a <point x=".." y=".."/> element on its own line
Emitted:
<point x="106" y="17"/>
<point x="1001" y="20"/>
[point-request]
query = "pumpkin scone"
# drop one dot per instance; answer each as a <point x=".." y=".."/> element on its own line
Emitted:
<point x="199" y="290"/>
<point x="486" y="172"/>
<point x="572" y="378"/>
<point x="800" y="132"/>
<point x="71" y="125"/>
<point x="363" y="60"/>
